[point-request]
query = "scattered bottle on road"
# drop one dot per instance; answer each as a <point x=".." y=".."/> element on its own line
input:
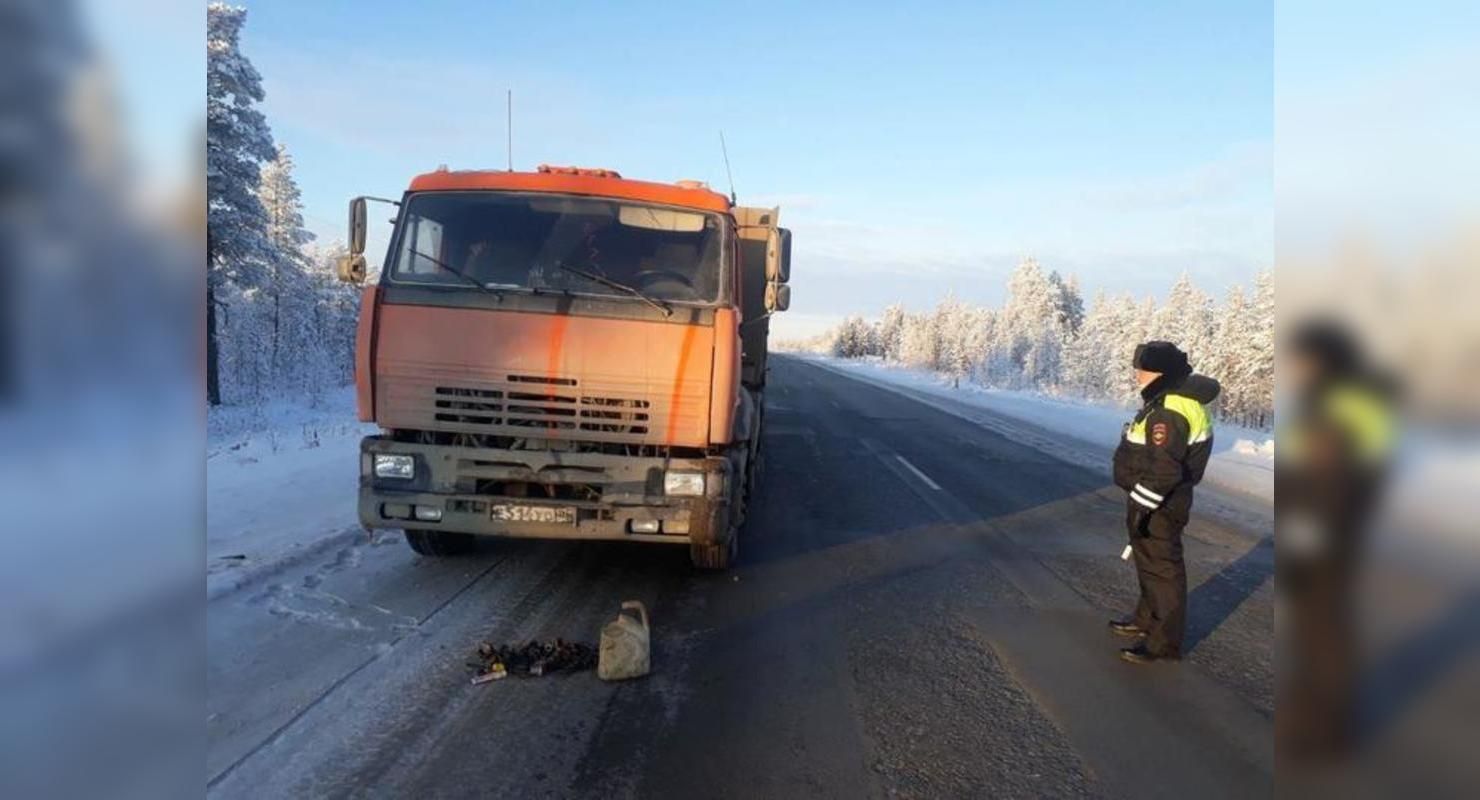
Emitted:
<point x="624" y="644"/>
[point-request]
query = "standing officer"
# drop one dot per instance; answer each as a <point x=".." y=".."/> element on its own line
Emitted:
<point x="1160" y="458"/>
<point x="1336" y="440"/>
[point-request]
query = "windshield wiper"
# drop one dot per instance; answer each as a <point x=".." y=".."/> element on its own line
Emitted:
<point x="619" y="286"/>
<point x="462" y="276"/>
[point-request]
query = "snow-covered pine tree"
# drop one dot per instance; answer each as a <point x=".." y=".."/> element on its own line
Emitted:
<point x="1136" y="322"/>
<point x="842" y="340"/>
<point x="1089" y="357"/>
<point x="996" y="366"/>
<point x="337" y="312"/>
<point x="868" y="338"/>
<point x="1231" y="359"/>
<point x="1261" y="385"/>
<point x="1031" y="327"/>
<point x="919" y="343"/>
<point x="1042" y="338"/>
<point x="1068" y="317"/>
<point x="891" y="328"/>
<point x="1070" y="303"/>
<point x="953" y="329"/>
<point x="854" y="338"/>
<point x="981" y="325"/>
<point x="863" y="335"/>
<point x="1186" y="319"/>
<point x="283" y="203"/>
<point x="296" y="364"/>
<point x="237" y="141"/>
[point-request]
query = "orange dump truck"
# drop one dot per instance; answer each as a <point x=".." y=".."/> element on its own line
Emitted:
<point x="565" y="354"/>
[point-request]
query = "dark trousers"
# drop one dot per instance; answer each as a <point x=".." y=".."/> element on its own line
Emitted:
<point x="1156" y="541"/>
<point x="1318" y="699"/>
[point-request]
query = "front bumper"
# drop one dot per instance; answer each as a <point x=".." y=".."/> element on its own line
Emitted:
<point x="608" y="493"/>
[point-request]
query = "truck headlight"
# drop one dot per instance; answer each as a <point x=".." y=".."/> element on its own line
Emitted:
<point x="390" y="466"/>
<point x="684" y="484"/>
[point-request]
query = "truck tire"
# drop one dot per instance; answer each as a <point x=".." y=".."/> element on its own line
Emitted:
<point x="439" y="544"/>
<point x="722" y="556"/>
<point x="714" y="556"/>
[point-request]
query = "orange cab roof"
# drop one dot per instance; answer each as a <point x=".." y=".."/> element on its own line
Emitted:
<point x="571" y="180"/>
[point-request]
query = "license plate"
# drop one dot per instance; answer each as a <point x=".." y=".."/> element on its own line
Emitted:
<point x="511" y="512"/>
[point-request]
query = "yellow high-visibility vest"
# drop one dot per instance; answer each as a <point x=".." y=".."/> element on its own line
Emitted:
<point x="1362" y="413"/>
<point x="1199" y="421"/>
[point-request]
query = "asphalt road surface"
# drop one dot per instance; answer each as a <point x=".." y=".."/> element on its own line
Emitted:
<point x="918" y="611"/>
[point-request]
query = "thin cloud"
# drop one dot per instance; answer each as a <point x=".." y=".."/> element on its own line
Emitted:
<point x="1244" y="171"/>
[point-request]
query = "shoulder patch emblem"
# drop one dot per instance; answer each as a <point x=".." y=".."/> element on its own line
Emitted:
<point x="1159" y="434"/>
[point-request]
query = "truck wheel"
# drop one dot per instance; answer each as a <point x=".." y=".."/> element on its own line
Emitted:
<point x="714" y="556"/>
<point x="439" y="543"/>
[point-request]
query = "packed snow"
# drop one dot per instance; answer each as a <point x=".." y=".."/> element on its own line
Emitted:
<point x="281" y="483"/>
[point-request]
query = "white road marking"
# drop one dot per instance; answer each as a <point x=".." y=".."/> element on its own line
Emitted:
<point x="918" y="474"/>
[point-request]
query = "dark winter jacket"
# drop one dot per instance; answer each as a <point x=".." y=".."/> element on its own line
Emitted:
<point x="1165" y="449"/>
<point x="1333" y="459"/>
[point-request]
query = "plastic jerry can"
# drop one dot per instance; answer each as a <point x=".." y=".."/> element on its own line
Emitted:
<point x="624" y="644"/>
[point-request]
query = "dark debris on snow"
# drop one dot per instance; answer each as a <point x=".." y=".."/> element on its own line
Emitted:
<point x="533" y="658"/>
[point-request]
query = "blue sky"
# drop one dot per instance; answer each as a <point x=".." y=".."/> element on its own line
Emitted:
<point x="1377" y="124"/>
<point x="913" y="151"/>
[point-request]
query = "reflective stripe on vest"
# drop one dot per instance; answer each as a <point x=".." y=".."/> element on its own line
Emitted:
<point x="1199" y="422"/>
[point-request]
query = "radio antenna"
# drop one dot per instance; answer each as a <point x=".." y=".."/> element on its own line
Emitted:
<point x="509" y="125"/>
<point x="728" y="174"/>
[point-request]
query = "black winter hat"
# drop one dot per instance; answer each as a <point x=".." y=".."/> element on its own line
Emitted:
<point x="1330" y="344"/>
<point x="1163" y="357"/>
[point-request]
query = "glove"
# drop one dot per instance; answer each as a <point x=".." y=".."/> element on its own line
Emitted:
<point x="1142" y="523"/>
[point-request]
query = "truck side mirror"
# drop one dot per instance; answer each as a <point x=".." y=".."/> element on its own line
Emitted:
<point x="774" y="248"/>
<point x="783" y="273"/>
<point x="350" y="269"/>
<point x="357" y="226"/>
<point x="778" y="297"/>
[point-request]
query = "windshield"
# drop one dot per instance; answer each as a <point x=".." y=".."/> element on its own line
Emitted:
<point x="545" y="242"/>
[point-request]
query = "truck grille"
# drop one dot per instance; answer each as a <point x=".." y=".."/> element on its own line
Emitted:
<point x="469" y="406"/>
<point x="539" y="403"/>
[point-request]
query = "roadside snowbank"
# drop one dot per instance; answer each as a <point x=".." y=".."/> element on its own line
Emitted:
<point x="281" y="483"/>
<point x="1243" y="459"/>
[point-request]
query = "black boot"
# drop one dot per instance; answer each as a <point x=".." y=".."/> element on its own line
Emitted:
<point x="1140" y="655"/>
<point x="1126" y="627"/>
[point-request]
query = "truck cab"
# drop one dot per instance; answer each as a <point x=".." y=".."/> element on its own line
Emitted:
<point x="564" y="354"/>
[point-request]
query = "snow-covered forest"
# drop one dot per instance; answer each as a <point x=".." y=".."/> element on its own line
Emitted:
<point x="1044" y="338"/>
<point x="277" y="322"/>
